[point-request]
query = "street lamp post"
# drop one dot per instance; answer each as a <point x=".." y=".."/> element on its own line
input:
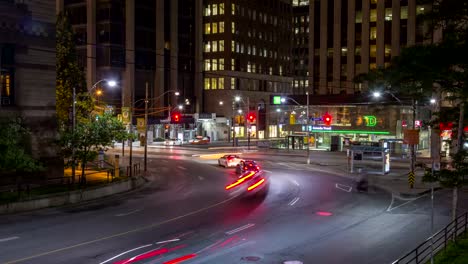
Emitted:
<point x="283" y="100"/>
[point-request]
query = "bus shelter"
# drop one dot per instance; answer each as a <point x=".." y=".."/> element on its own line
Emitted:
<point x="358" y="153"/>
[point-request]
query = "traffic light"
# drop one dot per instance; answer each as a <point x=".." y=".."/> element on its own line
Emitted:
<point x="175" y="117"/>
<point x="327" y="119"/>
<point x="251" y="117"/>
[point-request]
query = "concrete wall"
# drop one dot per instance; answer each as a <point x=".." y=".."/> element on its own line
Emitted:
<point x="71" y="197"/>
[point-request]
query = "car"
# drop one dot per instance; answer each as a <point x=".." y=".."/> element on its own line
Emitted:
<point x="250" y="183"/>
<point x="247" y="165"/>
<point x="229" y="161"/>
<point x="200" y="140"/>
<point x="173" y="142"/>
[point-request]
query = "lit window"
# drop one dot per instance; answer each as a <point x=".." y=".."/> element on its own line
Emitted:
<point x="388" y="50"/>
<point x="207" y="47"/>
<point x="233" y="9"/>
<point x="221" y="8"/>
<point x="215" y="28"/>
<point x="233" y="46"/>
<point x="281" y="70"/>
<point x="215" y="9"/>
<point x="233" y="65"/>
<point x="254" y="51"/>
<point x="221" y="83"/>
<point x="388" y="14"/>
<point x="373" y="33"/>
<point x="404" y="12"/>
<point x="420" y="10"/>
<point x="221" y="27"/>
<point x="270" y="71"/>
<point x="221" y="64"/>
<point x="358" y="16"/>
<point x="214" y="46"/>
<point x="249" y="67"/>
<point x="248" y="49"/>
<point x="373" y="51"/>
<point x="208" y="10"/>
<point x="233" y="83"/>
<point x="373" y="15"/>
<point x="344" y="51"/>
<point x="207" y="28"/>
<point x="207" y="65"/>
<point x="233" y="27"/>
<point x="207" y="83"/>
<point x="214" y="65"/>
<point x="254" y="69"/>
<point x="214" y="83"/>
<point x="221" y="45"/>
<point x="372" y="66"/>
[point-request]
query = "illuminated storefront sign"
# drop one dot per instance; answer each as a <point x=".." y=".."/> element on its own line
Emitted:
<point x="327" y="129"/>
<point x="371" y="121"/>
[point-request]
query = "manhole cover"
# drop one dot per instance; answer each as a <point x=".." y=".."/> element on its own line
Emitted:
<point x="251" y="258"/>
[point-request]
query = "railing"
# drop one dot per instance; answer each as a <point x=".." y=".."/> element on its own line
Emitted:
<point x="422" y="253"/>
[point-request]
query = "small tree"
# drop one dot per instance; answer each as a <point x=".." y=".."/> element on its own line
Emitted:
<point x="14" y="158"/>
<point x="92" y="136"/>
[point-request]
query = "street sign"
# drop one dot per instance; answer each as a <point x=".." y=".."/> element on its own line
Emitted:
<point x="316" y="119"/>
<point x="436" y="166"/>
<point x="411" y="137"/>
<point x="411" y="179"/>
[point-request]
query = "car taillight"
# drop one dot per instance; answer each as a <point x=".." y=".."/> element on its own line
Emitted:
<point x="255" y="185"/>
<point x="258" y="167"/>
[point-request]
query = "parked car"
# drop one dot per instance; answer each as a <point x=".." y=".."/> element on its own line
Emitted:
<point x="173" y="142"/>
<point x="200" y="140"/>
<point x="229" y="161"/>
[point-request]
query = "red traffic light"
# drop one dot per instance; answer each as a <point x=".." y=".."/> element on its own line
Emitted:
<point x="176" y="117"/>
<point x="251" y="117"/>
<point x="327" y="119"/>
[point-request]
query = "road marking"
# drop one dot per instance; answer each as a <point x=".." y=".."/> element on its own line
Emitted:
<point x="389" y="209"/>
<point x="153" y="225"/>
<point x="168" y="241"/>
<point x="343" y="187"/>
<point x="8" y="239"/>
<point x="295" y="182"/>
<point x="129" y="213"/>
<point x="239" y="229"/>
<point x="268" y="171"/>
<point x="164" y="161"/>
<point x="182" y="168"/>
<point x="294" y="201"/>
<point x="128" y="251"/>
<point x="201" y="178"/>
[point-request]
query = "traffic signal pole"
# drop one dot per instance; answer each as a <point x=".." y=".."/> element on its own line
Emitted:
<point x="248" y="124"/>
<point x="146" y="129"/>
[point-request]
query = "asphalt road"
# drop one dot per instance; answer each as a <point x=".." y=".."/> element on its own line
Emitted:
<point x="185" y="213"/>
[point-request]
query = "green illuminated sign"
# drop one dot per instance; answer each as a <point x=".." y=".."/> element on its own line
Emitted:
<point x="276" y="100"/>
<point x="371" y="121"/>
<point x="353" y="132"/>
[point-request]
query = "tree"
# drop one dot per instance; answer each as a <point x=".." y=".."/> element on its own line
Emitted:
<point x="69" y="75"/>
<point x="14" y="158"/>
<point x="90" y="137"/>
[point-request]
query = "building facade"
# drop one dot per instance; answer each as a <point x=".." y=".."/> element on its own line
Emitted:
<point x="137" y="43"/>
<point x="27" y="74"/>
<point x="246" y="53"/>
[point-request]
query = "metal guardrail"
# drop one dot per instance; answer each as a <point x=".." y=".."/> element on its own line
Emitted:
<point x="439" y="241"/>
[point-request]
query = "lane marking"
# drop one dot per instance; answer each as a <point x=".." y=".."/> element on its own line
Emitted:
<point x="201" y="178"/>
<point x="153" y="225"/>
<point x="8" y="239"/>
<point x="239" y="229"/>
<point x="168" y="241"/>
<point x="295" y="182"/>
<point x="128" y="251"/>
<point x="164" y="161"/>
<point x="268" y="171"/>
<point x="294" y="201"/>
<point x="343" y="187"/>
<point x="389" y="209"/>
<point x="210" y="246"/>
<point x="129" y="213"/>
<point x="182" y="168"/>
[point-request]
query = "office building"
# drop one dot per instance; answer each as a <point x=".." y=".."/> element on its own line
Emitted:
<point x="27" y="74"/>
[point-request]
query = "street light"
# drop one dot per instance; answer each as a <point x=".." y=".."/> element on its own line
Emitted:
<point x="221" y="102"/>
<point x="433" y="101"/>
<point x="181" y="107"/>
<point x="283" y="100"/>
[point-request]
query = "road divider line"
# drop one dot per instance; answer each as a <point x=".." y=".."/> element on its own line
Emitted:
<point x="240" y="229"/>
<point x="389" y="209"/>
<point x="168" y="241"/>
<point x="129" y="213"/>
<point x="8" y="239"/>
<point x="182" y="168"/>
<point x="294" y="201"/>
<point x="343" y="187"/>
<point x="201" y="178"/>
<point x="126" y="252"/>
<point x="153" y="225"/>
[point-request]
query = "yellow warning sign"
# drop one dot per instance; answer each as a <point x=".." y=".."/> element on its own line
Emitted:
<point x="411" y="179"/>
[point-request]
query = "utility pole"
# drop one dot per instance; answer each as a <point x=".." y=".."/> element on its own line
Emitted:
<point x="146" y="128"/>
<point x="308" y="130"/>
<point x="248" y="124"/>
<point x="413" y="146"/>
<point x="131" y="141"/>
<point x="73" y="130"/>
<point x="1" y="79"/>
